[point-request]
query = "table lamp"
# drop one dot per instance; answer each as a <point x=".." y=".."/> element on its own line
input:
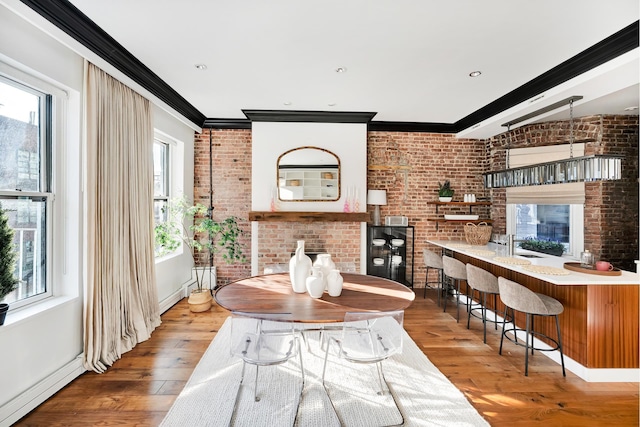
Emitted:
<point x="376" y="198"/>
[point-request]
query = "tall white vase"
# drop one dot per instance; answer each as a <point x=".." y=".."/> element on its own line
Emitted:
<point x="326" y="264"/>
<point x="299" y="269"/>
<point x="334" y="283"/>
<point x="315" y="283"/>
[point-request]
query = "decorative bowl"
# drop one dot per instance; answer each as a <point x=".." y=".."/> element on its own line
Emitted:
<point x="378" y="242"/>
<point x="378" y="261"/>
<point x="397" y="242"/>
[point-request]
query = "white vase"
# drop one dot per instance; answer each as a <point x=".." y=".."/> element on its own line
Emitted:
<point x="299" y="268"/>
<point x="334" y="283"/>
<point x="326" y="264"/>
<point x="315" y="283"/>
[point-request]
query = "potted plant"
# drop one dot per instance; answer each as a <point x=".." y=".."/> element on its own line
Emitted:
<point x="204" y="235"/>
<point x="544" y="246"/>
<point x="445" y="192"/>
<point x="8" y="281"/>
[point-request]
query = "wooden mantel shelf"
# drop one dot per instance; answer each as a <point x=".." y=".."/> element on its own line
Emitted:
<point x="309" y="216"/>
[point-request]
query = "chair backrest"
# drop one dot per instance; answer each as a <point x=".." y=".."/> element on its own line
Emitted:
<point x="262" y="338"/>
<point x="454" y="268"/>
<point x="431" y="259"/>
<point x="520" y="298"/>
<point x="372" y="336"/>
<point x="482" y="280"/>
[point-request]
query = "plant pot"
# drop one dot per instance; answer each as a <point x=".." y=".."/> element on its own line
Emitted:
<point x="445" y="199"/>
<point x="200" y="301"/>
<point x="4" y="308"/>
<point x="556" y="252"/>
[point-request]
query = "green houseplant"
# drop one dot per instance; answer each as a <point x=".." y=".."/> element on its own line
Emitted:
<point x="204" y="236"/>
<point x="544" y="246"/>
<point x="8" y="281"/>
<point x="445" y="192"/>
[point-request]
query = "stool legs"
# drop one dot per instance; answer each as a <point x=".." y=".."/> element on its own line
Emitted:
<point x="560" y="345"/>
<point x="439" y="282"/>
<point x="529" y="330"/>
<point x="483" y="308"/>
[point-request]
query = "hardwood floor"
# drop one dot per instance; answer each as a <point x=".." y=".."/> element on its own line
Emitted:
<point x="139" y="389"/>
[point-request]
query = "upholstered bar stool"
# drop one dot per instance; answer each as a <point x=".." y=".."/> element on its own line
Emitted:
<point x="485" y="284"/>
<point x="455" y="270"/>
<point x="432" y="261"/>
<point x="517" y="297"/>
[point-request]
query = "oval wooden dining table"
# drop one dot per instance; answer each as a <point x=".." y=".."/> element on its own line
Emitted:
<point x="272" y="293"/>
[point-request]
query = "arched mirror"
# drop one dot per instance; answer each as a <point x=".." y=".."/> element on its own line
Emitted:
<point x="308" y="174"/>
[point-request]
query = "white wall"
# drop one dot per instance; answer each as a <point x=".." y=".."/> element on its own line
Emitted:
<point x="346" y="140"/>
<point x="175" y="270"/>
<point x="269" y="140"/>
<point x="43" y="344"/>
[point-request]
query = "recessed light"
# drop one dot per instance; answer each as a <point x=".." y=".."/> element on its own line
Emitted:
<point x="331" y="104"/>
<point x="287" y="103"/>
<point x="631" y="108"/>
<point x="341" y="70"/>
<point x="475" y="73"/>
<point x="201" y="66"/>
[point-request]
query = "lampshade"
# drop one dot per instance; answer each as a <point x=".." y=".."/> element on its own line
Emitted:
<point x="377" y="197"/>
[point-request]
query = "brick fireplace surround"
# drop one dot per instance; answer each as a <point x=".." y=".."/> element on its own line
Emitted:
<point x="409" y="166"/>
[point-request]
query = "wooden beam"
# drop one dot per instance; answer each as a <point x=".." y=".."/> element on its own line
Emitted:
<point x="309" y="216"/>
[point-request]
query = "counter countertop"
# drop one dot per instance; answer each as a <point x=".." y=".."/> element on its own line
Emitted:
<point x="573" y="278"/>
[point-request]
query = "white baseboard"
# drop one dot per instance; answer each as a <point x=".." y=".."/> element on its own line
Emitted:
<point x="172" y="299"/>
<point x="27" y="401"/>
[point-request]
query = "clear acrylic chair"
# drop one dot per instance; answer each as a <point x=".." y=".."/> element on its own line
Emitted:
<point x="369" y="337"/>
<point x="263" y="340"/>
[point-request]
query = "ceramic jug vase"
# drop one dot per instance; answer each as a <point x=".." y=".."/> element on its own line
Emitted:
<point x="334" y="283"/>
<point x="299" y="268"/>
<point x="315" y="283"/>
<point x="326" y="264"/>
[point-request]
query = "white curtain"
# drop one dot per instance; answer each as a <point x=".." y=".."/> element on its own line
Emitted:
<point x="121" y="301"/>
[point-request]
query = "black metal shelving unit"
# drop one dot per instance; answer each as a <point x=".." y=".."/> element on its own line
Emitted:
<point x="401" y="272"/>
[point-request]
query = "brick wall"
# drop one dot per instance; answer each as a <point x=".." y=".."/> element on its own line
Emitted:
<point x="231" y="188"/>
<point x="409" y="166"/>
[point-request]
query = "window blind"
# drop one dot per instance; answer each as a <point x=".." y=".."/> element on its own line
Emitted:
<point x="553" y="194"/>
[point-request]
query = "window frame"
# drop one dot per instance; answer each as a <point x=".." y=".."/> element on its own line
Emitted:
<point x="166" y="169"/>
<point x="576" y="227"/>
<point x="47" y="131"/>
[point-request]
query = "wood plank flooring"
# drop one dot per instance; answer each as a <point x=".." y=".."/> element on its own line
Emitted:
<point x="139" y="389"/>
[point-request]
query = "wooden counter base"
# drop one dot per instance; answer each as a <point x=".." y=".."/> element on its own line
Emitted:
<point x="599" y="325"/>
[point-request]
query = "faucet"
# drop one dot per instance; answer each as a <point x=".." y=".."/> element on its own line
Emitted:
<point x="512" y="242"/>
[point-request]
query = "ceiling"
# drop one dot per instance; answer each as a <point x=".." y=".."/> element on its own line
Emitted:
<point x="405" y="60"/>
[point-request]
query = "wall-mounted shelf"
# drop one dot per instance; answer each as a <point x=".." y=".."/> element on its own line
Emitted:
<point x="438" y="220"/>
<point x="280" y="216"/>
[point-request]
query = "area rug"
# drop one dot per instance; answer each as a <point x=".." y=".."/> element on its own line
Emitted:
<point x="425" y="396"/>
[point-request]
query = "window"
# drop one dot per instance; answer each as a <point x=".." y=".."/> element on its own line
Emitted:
<point x="25" y="183"/>
<point x="547" y="212"/>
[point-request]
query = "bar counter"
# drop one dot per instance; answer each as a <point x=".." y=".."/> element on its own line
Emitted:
<point x="600" y="322"/>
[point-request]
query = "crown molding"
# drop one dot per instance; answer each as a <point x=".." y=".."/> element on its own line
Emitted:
<point x="613" y="46"/>
<point x="76" y="24"/>
<point x="308" y="116"/>
<point x="412" y="127"/>
<point x="227" y="124"/>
